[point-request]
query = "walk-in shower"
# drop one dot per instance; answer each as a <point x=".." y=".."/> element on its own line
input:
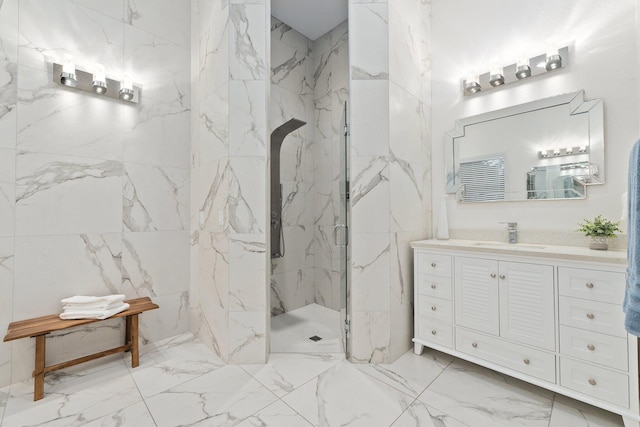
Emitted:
<point x="277" y="137"/>
<point x="309" y="90"/>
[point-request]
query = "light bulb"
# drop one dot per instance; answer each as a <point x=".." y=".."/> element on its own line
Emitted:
<point x="99" y="84"/>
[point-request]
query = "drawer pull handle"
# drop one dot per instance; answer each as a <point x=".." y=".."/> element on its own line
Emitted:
<point x="433" y="308"/>
<point x="502" y="276"/>
<point x="526" y="361"/>
<point x="474" y="344"/>
<point x="590" y="316"/>
<point x="434" y="332"/>
<point x="589" y="285"/>
<point x="591" y="347"/>
<point x="592" y="381"/>
<point x="433" y="286"/>
<point x="433" y="264"/>
<point x="493" y="275"/>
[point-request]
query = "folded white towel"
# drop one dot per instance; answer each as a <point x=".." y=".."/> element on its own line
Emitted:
<point x="93" y="314"/>
<point x="82" y="299"/>
<point x="91" y="307"/>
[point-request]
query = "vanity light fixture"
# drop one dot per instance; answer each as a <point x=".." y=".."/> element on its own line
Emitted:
<point x="99" y="83"/>
<point x="126" y="90"/>
<point x="496" y="78"/>
<point x="472" y="84"/>
<point x="68" y="73"/>
<point x="517" y="71"/>
<point x="96" y="82"/>
<point x="561" y="152"/>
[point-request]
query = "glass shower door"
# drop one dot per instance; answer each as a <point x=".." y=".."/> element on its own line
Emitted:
<point x="342" y="231"/>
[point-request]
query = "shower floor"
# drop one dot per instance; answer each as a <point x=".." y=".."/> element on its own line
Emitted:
<point x="291" y="331"/>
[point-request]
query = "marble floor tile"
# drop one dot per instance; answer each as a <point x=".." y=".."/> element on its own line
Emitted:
<point x="421" y="415"/>
<point x="481" y="397"/>
<point x="181" y="382"/>
<point x="570" y="412"/>
<point x="135" y="415"/>
<point x="286" y="372"/>
<point x="173" y="364"/>
<point x="411" y="374"/>
<point x="220" y="398"/>
<point x="73" y="400"/>
<point x="328" y="400"/>
<point x="278" y="414"/>
<point x="4" y="396"/>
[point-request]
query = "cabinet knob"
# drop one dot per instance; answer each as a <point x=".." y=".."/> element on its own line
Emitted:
<point x="502" y="276"/>
<point x="493" y="275"/>
<point x="433" y="286"/>
<point x="433" y="308"/>
<point x="433" y="332"/>
<point x="591" y="347"/>
<point x="592" y="381"/>
<point x="526" y="361"/>
<point x="590" y="316"/>
<point x="433" y="264"/>
<point x="474" y="344"/>
<point x="589" y="285"/>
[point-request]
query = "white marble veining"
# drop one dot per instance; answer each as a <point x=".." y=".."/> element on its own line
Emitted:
<point x="166" y="18"/>
<point x="369" y="41"/>
<point x="181" y="382"/>
<point x="291" y="331"/>
<point x="248" y="60"/>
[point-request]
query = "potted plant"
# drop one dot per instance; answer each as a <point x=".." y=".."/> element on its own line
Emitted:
<point x="600" y="230"/>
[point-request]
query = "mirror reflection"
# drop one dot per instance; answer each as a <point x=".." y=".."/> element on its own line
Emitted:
<point x="548" y="149"/>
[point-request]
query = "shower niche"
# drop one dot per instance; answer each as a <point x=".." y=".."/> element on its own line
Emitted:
<point x="309" y="88"/>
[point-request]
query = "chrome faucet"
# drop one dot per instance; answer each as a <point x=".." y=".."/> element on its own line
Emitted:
<point x="512" y="228"/>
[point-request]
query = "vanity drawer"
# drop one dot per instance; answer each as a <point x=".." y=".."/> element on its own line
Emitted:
<point x="536" y="363"/>
<point x="435" y="308"/>
<point x="439" y="287"/>
<point x="597" y="285"/>
<point x="612" y="387"/>
<point x="593" y="316"/>
<point x="437" y="265"/>
<point x="594" y="347"/>
<point x="435" y="332"/>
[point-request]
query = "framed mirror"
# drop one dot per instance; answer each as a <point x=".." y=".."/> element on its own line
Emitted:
<point x="548" y="149"/>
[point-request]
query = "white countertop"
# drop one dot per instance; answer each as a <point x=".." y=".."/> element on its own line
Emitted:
<point x="574" y="253"/>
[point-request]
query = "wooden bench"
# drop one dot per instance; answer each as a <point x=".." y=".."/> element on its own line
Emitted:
<point x="39" y="327"/>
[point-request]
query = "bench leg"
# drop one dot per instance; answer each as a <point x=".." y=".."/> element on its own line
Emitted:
<point x="127" y="331"/>
<point x="133" y="336"/>
<point x="38" y="385"/>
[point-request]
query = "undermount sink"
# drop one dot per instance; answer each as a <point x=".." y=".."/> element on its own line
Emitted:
<point x="509" y="245"/>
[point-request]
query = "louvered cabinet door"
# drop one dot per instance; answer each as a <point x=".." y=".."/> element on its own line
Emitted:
<point x="527" y="311"/>
<point x="476" y="294"/>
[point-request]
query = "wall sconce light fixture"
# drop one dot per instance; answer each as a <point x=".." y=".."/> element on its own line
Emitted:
<point x="472" y="84"/>
<point x="498" y="76"/>
<point x="561" y="152"/>
<point x="99" y="83"/>
<point x="96" y="83"/>
<point x="68" y="73"/>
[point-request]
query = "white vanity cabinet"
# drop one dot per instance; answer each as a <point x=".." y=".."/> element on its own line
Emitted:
<point x="548" y="315"/>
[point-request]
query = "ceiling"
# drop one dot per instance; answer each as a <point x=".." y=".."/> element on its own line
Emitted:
<point x="313" y="18"/>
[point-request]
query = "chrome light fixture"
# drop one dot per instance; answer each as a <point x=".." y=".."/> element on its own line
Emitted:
<point x="496" y="78"/>
<point x="126" y="90"/>
<point x="472" y="84"/>
<point x="99" y="83"/>
<point x="553" y="61"/>
<point x="523" y="70"/>
<point x="68" y="74"/>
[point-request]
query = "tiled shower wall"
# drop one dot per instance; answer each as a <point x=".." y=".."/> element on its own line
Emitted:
<point x="309" y="81"/>
<point x="94" y="193"/>
<point x="229" y="310"/>
<point x="390" y="112"/>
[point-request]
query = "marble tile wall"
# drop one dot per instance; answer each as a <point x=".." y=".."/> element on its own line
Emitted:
<point x="309" y="81"/>
<point x="390" y="90"/>
<point x="228" y="169"/>
<point x="94" y="194"/>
